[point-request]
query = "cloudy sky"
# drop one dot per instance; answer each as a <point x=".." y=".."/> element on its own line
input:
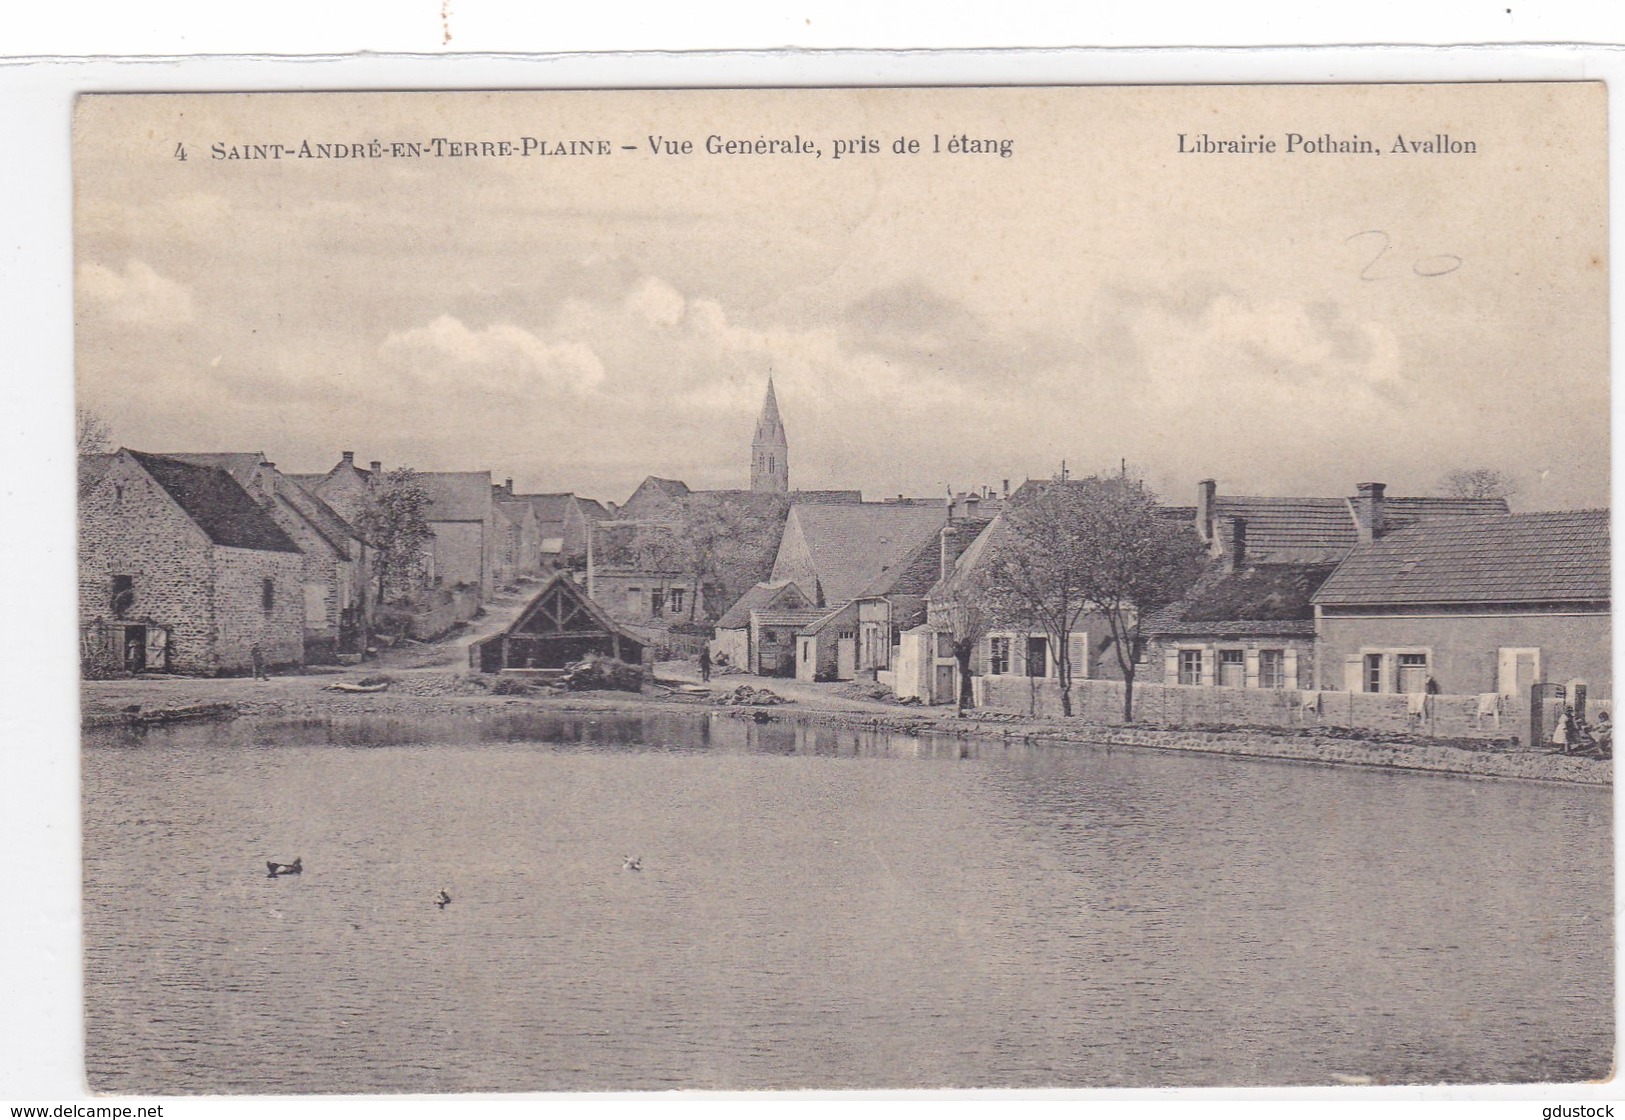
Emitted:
<point x="1286" y="323"/>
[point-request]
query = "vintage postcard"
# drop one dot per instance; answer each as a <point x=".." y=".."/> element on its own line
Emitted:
<point x="904" y="588"/>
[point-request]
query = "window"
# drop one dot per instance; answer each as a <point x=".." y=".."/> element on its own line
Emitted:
<point x="634" y="600"/>
<point x="846" y="635"/>
<point x="1233" y="668"/>
<point x="123" y="597"/>
<point x="1271" y="668"/>
<point x="674" y="599"/>
<point x="657" y="602"/>
<point x="1373" y="672"/>
<point x="1038" y="657"/>
<point x="1190" y="666"/>
<point x="770" y="635"/>
<point x="267" y="593"/>
<point x="998" y="657"/>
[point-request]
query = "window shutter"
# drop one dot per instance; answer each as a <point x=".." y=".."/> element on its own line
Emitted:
<point x="1289" y="668"/>
<point x="1077" y="652"/>
<point x="1018" y="655"/>
<point x="1352" y="671"/>
<point x="985" y="646"/>
<point x="1251" y="671"/>
<point x="1170" y="666"/>
<point x="1210" y="666"/>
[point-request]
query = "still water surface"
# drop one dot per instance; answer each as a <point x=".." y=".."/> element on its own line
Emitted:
<point x="818" y="908"/>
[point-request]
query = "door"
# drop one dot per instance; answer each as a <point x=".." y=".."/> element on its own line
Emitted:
<point x="135" y="648"/>
<point x="1516" y="670"/>
<point x="157" y="655"/>
<point x="945" y="685"/>
<point x="846" y="659"/>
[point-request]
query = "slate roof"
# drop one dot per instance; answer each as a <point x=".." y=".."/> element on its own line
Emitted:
<point x="457" y="495"/>
<point x="1264" y="599"/>
<point x="853" y="547"/>
<point x="217" y="503"/>
<point x="1550" y="557"/>
<point x="593" y="509"/>
<point x="814" y="496"/>
<point x="737" y="616"/>
<point x="241" y="465"/>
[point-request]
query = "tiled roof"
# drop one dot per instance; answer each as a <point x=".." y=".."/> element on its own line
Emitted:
<point x="788" y="618"/>
<point x="1310" y="529"/>
<point x="592" y="509"/>
<point x="828" y="620"/>
<point x="854" y="547"/>
<point x="814" y="496"/>
<point x="549" y="507"/>
<point x="1265" y="599"/>
<point x="457" y="495"/>
<point x="217" y="503"/>
<point x="759" y="597"/>
<point x="1549" y="557"/>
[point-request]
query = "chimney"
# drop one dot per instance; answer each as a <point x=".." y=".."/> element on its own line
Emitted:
<point x="508" y="486"/>
<point x="377" y="467"/>
<point x="972" y="504"/>
<point x="1237" y="559"/>
<point x="1369" y="512"/>
<point x="1007" y="488"/>
<point x="950" y="548"/>
<point x="1207" y="492"/>
<point x="349" y="458"/>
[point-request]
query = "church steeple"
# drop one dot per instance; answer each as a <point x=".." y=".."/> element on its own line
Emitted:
<point x="770" y="450"/>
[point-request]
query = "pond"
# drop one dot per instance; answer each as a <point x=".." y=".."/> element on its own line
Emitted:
<point x="818" y="907"/>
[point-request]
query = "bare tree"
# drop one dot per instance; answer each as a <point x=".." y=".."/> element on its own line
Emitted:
<point x="1479" y="482"/>
<point x="968" y="620"/>
<point x="1091" y="545"/>
<point x="92" y="434"/>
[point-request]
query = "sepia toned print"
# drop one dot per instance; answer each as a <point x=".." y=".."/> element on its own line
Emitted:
<point x="889" y="588"/>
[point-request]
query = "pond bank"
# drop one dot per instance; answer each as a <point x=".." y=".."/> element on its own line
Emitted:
<point x="139" y="702"/>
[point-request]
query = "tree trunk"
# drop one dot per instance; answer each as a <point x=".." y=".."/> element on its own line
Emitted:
<point x="1128" y="695"/>
<point x="962" y="652"/>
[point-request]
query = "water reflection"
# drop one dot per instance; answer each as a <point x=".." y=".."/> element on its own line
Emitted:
<point x="818" y="906"/>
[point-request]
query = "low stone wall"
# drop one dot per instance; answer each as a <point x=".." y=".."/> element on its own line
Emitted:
<point x="460" y="606"/>
<point x="1101" y="702"/>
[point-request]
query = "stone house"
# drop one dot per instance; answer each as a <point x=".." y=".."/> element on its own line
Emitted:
<point x="518" y="535"/>
<point x="1479" y="605"/>
<point x="462" y="516"/>
<point x="827" y="649"/>
<point x="181" y="569"/>
<point x="563" y="524"/>
<point x="336" y="565"/>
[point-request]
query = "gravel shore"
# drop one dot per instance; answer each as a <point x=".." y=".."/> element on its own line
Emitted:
<point x="431" y="694"/>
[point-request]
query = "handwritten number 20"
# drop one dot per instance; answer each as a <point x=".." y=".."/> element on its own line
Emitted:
<point x="1440" y="265"/>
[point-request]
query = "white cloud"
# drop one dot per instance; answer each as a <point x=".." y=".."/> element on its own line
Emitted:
<point x="137" y="296"/>
<point x="500" y="351"/>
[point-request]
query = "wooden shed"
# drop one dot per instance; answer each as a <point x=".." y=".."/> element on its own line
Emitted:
<point x="558" y="627"/>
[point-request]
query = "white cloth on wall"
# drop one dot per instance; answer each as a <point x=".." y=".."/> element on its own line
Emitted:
<point x="1310" y="701"/>
<point x="1416" y="703"/>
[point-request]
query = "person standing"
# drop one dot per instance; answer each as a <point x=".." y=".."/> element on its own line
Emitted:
<point x="705" y="663"/>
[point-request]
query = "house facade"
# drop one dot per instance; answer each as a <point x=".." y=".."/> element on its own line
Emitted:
<point x="732" y="644"/>
<point x="336" y="565"/>
<point x="1249" y="621"/>
<point x="1477" y="605"/>
<point x="181" y="569"/>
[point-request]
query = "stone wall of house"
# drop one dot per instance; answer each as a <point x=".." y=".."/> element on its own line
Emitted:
<point x="1156" y="668"/>
<point x="129" y="526"/>
<point x="1101" y="702"/>
<point x="241" y="618"/>
<point x="459" y="554"/>
<point x="1463" y="650"/>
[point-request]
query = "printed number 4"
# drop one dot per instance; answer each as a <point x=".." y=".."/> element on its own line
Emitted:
<point x="1439" y="265"/>
<point x="180" y="152"/>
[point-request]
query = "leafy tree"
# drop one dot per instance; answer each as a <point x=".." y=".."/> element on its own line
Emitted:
<point x="1092" y="544"/>
<point x="1479" y="482"/>
<point x="726" y="543"/>
<point x="394" y="521"/>
<point x="92" y="434"/>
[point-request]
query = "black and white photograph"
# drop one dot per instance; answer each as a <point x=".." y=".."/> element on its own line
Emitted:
<point x="978" y="588"/>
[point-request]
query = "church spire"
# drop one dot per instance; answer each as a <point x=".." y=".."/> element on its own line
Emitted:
<point x="770" y="449"/>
